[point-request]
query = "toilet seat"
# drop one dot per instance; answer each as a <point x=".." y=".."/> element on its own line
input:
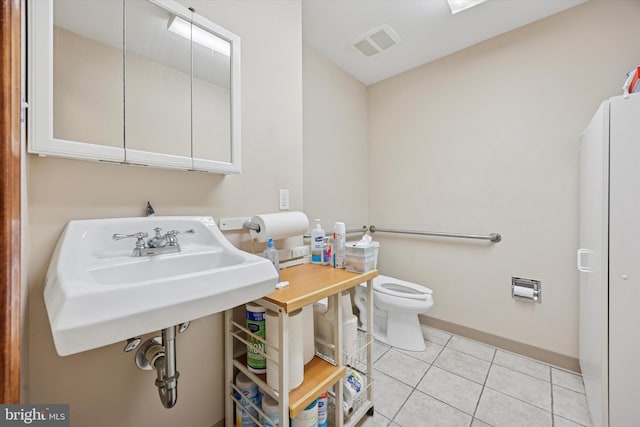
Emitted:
<point x="400" y="288"/>
<point x="396" y="306"/>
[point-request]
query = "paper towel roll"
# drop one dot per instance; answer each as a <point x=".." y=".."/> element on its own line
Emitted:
<point x="309" y="342"/>
<point x="350" y="336"/>
<point x="296" y="364"/>
<point x="279" y="225"/>
<point x="523" y="292"/>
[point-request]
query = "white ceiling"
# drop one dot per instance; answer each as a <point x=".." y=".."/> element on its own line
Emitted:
<point x="427" y="28"/>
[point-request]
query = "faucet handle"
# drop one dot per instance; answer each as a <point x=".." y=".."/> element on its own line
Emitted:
<point x="172" y="236"/>
<point x="174" y="232"/>
<point x="139" y="235"/>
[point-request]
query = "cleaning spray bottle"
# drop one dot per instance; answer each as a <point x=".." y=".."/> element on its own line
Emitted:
<point x="271" y="253"/>
<point x="339" y="245"/>
<point x="317" y="239"/>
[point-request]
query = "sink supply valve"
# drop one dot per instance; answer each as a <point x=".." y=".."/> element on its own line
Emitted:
<point x="182" y="327"/>
<point x="159" y="353"/>
<point x="132" y="344"/>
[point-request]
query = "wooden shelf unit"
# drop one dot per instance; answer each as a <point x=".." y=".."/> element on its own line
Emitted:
<point x="319" y="375"/>
<point x="308" y="283"/>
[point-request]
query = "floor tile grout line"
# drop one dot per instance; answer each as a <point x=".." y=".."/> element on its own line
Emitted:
<point x="520" y="372"/>
<point x="468" y="354"/>
<point x="443" y="402"/>
<point x="474" y="342"/>
<point x="570" y="420"/>
<point x="379" y="357"/>
<point x="520" y="400"/>
<point x="456" y="374"/>
<point x="453" y="373"/>
<point x="446" y="344"/>
<point x="408" y="353"/>
<point x="484" y="385"/>
<point x="471" y="355"/>
<point x="569" y="389"/>
<point x="421" y="361"/>
<point x="553" y="421"/>
<point x="415" y="388"/>
<point x="402" y="406"/>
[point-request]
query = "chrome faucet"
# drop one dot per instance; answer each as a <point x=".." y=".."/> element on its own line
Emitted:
<point x="157" y="241"/>
<point x="158" y="244"/>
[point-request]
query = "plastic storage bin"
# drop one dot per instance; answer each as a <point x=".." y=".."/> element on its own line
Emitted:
<point x="361" y="257"/>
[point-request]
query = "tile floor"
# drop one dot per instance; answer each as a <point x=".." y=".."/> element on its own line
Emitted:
<point x="459" y="382"/>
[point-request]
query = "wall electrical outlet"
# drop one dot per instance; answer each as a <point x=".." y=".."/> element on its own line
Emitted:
<point x="300" y="251"/>
<point x="284" y="199"/>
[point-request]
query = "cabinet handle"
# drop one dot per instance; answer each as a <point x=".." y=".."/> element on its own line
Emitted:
<point x="581" y="267"/>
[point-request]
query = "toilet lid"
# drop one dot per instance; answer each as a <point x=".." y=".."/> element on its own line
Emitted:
<point x="400" y="288"/>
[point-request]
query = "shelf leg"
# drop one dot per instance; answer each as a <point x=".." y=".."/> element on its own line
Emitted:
<point x="369" y="336"/>
<point x="283" y="368"/>
<point x="228" y="368"/>
<point x="339" y="356"/>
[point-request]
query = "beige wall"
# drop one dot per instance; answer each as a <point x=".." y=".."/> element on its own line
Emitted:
<point x="335" y="143"/>
<point x="487" y="140"/>
<point x="103" y="386"/>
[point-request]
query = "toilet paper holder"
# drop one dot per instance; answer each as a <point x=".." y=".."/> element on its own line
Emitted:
<point x="526" y="289"/>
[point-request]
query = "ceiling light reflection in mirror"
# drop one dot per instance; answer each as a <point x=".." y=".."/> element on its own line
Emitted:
<point x="184" y="29"/>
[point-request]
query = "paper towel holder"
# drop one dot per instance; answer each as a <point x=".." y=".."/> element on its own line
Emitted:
<point x="251" y="226"/>
<point x="520" y="286"/>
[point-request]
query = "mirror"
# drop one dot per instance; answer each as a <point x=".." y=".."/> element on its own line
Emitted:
<point x="157" y="88"/>
<point x="211" y="97"/>
<point x="134" y="81"/>
<point x="87" y="72"/>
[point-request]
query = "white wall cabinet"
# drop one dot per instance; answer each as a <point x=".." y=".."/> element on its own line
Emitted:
<point x="119" y="82"/>
<point x="608" y="263"/>
<point x="308" y="283"/>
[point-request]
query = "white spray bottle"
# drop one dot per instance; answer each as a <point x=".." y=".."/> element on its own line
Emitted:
<point x="339" y="245"/>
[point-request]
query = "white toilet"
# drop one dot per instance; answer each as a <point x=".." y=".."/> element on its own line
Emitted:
<point x="397" y="304"/>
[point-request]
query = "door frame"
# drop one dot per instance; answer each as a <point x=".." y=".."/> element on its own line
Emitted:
<point x="10" y="194"/>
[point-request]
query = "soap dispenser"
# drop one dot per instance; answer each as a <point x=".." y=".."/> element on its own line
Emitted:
<point x="317" y="240"/>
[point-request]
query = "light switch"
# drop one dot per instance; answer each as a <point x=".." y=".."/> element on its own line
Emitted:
<point x="284" y="199"/>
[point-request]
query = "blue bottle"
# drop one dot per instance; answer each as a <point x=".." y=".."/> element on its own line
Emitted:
<point x="271" y="253"/>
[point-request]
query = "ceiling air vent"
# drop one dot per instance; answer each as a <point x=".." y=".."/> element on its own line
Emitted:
<point x="376" y="40"/>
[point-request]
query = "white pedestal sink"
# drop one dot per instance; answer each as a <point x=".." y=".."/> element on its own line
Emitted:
<point x="97" y="293"/>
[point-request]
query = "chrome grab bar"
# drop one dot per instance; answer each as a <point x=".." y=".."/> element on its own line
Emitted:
<point x="494" y="237"/>
<point x="329" y="233"/>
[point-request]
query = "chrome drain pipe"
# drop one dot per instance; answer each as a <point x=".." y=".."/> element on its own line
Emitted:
<point x="160" y="354"/>
<point x="167" y="375"/>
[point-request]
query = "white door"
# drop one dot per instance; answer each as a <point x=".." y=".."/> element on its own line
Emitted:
<point x="593" y="263"/>
<point x="624" y="262"/>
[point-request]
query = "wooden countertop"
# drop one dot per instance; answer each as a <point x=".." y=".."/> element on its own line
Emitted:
<point x="309" y="283"/>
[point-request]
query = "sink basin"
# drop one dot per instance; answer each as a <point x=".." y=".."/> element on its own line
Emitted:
<point x="97" y="293"/>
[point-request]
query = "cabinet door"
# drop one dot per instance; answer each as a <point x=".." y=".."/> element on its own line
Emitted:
<point x="157" y="88"/>
<point x="593" y="262"/>
<point x="119" y="81"/>
<point x="624" y="265"/>
<point x="216" y="97"/>
<point x="76" y="93"/>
